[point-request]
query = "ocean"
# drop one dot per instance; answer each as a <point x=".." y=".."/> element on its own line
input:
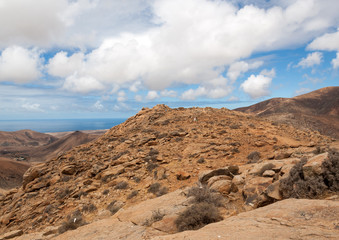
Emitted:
<point x="59" y="125"/>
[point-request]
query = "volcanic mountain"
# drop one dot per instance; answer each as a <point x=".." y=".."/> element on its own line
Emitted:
<point x="158" y="150"/>
<point x="317" y="110"/>
<point x="20" y="149"/>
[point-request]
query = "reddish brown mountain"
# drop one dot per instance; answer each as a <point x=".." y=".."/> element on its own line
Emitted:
<point x="317" y="110"/>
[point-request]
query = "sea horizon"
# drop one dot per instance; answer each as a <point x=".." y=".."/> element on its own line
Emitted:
<point x="59" y="125"/>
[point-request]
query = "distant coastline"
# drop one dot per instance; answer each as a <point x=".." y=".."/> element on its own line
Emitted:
<point x="59" y="125"/>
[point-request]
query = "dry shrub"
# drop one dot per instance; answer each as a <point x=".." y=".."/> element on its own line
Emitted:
<point x="204" y="194"/>
<point x="121" y="185"/>
<point x="113" y="207"/>
<point x="73" y="222"/>
<point x="157" y="190"/>
<point x="133" y="194"/>
<point x="89" y="208"/>
<point x="197" y="216"/>
<point x="253" y="157"/>
<point x="157" y="215"/>
<point x="296" y="186"/>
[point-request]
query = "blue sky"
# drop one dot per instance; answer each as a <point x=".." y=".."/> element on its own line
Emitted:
<point x="109" y="58"/>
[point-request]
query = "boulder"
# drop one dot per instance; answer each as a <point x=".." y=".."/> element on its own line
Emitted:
<point x="68" y="169"/>
<point x="33" y="173"/>
<point x="313" y="167"/>
<point x="254" y="189"/>
<point x="182" y="175"/>
<point x="268" y="173"/>
<point x="228" y="171"/>
<point x="273" y="191"/>
<point x="11" y="234"/>
<point x="222" y="186"/>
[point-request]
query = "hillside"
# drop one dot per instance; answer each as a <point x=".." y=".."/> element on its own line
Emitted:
<point x="317" y="110"/>
<point x="20" y="149"/>
<point x="158" y="150"/>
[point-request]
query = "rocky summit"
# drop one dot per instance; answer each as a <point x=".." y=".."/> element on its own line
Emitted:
<point x="137" y="180"/>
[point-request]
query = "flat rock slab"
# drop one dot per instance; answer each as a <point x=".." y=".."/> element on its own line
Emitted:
<point x="287" y="219"/>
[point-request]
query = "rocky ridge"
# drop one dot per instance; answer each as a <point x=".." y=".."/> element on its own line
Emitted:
<point x="157" y="151"/>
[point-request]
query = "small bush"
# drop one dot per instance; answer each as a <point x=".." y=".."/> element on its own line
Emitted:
<point x="73" y="222"/>
<point x="157" y="190"/>
<point x="150" y="166"/>
<point x="113" y="207"/>
<point x="156" y="216"/>
<point x="201" y="160"/>
<point x="121" y="185"/>
<point x="253" y="157"/>
<point x="133" y="194"/>
<point x="197" y="216"/>
<point x="136" y="179"/>
<point x="105" y="192"/>
<point x="204" y="194"/>
<point x="89" y="208"/>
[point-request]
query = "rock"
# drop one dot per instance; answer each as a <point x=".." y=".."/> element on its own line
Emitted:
<point x="214" y="179"/>
<point x="167" y="224"/>
<point x="254" y="189"/>
<point x="228" y="171"/>
<point x="286" y="219"/>
<point x="168" y="204"/>
<point x="238" y="180"/>
<point x="259" y="143"/>
<point x="268" y="173"/>
<point x="273" y="191"/>
<point x="313" y="166"/>
<point x="68" y="169"/>
<point x="117" y="170"/>
<point x="181" y="175"/>
<point x="33" y="173"/>
<point x="11" y="234"/>
<point x="222" y="186"/>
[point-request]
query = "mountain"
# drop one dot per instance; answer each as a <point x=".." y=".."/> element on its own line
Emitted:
<point x="317" y="110"/>
<point x="157" y="151"/>
<point x="21" y="149"/>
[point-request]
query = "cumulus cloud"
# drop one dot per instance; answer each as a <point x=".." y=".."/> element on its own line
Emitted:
<point x="237" y="68"/>
<point x="82" y="84"/>
<point x="152" y="95"/>
<point x="327" y="42"/>
<point x="335" y="61"/>
<point x="312" y="59"/>
<point x="195" y="39"/>
<point x="62" y="66"/>
<point x="302" y="91"/>
<point x="19" y="65"/>
<point x="257" y="86"/>
<point x="138" y="98"/>
<point x="216" y="88"/>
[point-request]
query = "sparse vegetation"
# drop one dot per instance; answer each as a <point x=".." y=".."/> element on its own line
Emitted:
<point x="201" y="160"/>
<point x="156" y="216"/>
<point x="89" y="208"/>
<point x="253" y="157"/>
<point x="297" y="186"/>
<point x="205" y="194"/>
<point x="121" y="185"/>
<point x="73" y="222"/>
<point x="113" y="207"/>
<point x="197" y="216"/>
<point x="132" y="194"/>
<point x="157" y="190"/>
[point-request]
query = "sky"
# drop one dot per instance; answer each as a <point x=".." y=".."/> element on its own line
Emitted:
<point x="63" y="59"/>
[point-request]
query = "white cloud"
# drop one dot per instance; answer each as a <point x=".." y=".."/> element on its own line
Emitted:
<point x="312" y="59"/>
<point x="82" y="84"/>
<point x="121" y="96"/>
<point x="233" y="99"/>
<point x="335" y="61"/>
<point x="62" y="66"/>
<point x="327" y="42"/>
<point x="135" y="86"/>
<point x="268" y="73"/>
<point x="195" y="39"/>
<point x="216" y="88"/>
<point x="98" y="105"/>
<point x="35" y="107"/>
<point x="19" y="65"/>
<point x="257" y="86"/>
<point x="237" y="68"/>
<point x="152" y="95"/>
<point x="168" y="93"/>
